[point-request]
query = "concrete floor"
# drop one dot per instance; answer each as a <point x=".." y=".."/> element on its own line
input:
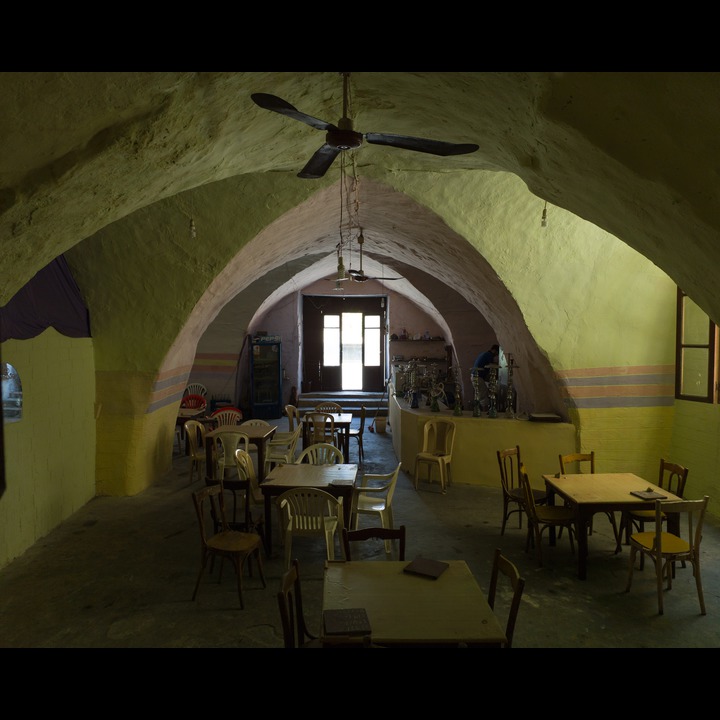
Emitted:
<point x="120" y="574"/>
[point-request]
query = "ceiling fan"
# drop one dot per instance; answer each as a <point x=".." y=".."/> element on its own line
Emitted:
<point x="359" y="275"/>
<point x="343" y="137"/>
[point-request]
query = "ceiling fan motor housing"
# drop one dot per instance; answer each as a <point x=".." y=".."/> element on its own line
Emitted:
<point x="344" y="137"/>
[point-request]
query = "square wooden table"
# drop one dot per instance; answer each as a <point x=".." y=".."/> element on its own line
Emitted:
<point x="338" y="480"/>
<point x="408" y="609"/>
<point x="342" y="422"/>
<point x="590" y="493"/>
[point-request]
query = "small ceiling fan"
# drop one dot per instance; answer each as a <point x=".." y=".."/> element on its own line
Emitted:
<point x="359" y="275"/>
<point x="343" y="137"/>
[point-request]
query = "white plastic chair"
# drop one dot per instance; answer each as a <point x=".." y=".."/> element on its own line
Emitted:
<point x="321" y="454"/>
<point x="374" y="497"/>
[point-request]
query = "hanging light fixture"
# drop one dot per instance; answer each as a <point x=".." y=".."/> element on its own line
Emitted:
<point x="543" y="221"/>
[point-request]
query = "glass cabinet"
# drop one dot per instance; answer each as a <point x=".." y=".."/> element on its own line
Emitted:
<point x="266" y="377"/>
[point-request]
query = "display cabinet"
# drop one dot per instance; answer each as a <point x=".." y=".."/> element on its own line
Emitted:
<point x="266" y="377"/>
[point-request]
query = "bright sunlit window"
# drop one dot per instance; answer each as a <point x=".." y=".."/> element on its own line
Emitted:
<point x="695" y="353"/>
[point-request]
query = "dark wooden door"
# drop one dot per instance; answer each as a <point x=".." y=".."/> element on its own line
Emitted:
<point x="331" y="362"/>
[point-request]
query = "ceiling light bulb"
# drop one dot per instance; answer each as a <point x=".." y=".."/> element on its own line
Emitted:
<point x="341" y="269"/>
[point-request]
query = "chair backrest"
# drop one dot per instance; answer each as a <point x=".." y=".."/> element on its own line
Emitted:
<point x="382" y="484"/>
<point x="194" y="402"/>
<point x="321" y="427"/>
<point x="229" y="442"/>
<point x="502" y="564"/>
<point x="577" y="462"/>
<point x="195" y="433"/>
<point x="209" y="502"/>
<point x="363" y="413"/>
<point x="695" y="511"/>
<point x="509" y="462"/>
<point x="195" y="389"/>
<point x="289" y="597"/>
<point x="305" y="509"/>
<point x="529" y="497"/>
<point x="439" y="436"/>
<point x="293" y="416"/>
<point x="328" y="407"/>
<point x="321" y="454"/>
<point x="255" y="422"/>
<point x="374" y="533"/>
<point x="227" y="416"/>
<point x="246" y="472"/>
<point x="673" y="477"/>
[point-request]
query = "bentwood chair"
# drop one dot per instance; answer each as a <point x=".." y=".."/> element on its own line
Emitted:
<point x="295" y="631"/>
<point x="386" y="534"/>
<point x="672" y="477"/>
<point x="513" y="493"/>
<point x="310" y="512"/>
<point x="665" y="549"/>
<point x="195" y="434"/>
<point x="503" y="565"/>
<point x="357" y="433"/>
<point x="225" y="544"/>
<point x="437" y="447"/>
<point x="541" y="517"/>
<point x="575" y="462"/>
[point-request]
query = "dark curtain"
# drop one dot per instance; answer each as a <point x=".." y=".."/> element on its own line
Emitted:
<point x="50" y="299"/>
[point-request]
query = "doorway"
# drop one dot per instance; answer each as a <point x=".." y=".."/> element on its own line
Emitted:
<point x="344" y="343"/>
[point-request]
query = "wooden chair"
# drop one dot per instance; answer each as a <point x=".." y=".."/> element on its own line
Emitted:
<point x="437" y="447"/>
<point x="310" y="512"/>
<point x="541" y="517"/>
<point x="503" y="565"/>
<point x="580" y="460"/>
<point x="292" y="617"/>
<point x="320" y="428"/>
<point x="387" y="534"/>
<point x="513" y="493"/>
<point x="321" y="454"/>
<point x="672" y="477"/>
<point x="665" y="549"/>
<point x="374" y="497"/>
<point x="225" y="544"/>
<point x="195" y="389"/>
<point x="195" y="434"/>
<point x="357" y="433"/>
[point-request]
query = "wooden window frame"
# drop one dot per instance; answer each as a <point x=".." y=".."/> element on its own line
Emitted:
<point x="710" y="395"/>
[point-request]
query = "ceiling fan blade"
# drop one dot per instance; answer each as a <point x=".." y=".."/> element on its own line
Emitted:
<point x="433" y="147"/>
<point x="319" y="163"/>
<point x="278" y="105"/>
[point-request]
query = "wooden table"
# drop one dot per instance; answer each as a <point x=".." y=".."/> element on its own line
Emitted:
<point x="338" y="480"/>
<point x="258" y="434"/>
<point x="411" y="610"/>
<point x="590" y="493"/>
<point x="342" y="423"/>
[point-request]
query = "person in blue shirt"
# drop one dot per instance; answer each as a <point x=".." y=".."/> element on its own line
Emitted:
<point x="485" y="358"/>
<point x="489" y="357"/>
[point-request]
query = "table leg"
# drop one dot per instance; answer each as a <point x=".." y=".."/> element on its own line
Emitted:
<point x="261" y="460"/>
<point x="346" y="444"/>
<point x="268" y="525"/>
<point x="550" y="501"/>
<point x="581" y="524"/>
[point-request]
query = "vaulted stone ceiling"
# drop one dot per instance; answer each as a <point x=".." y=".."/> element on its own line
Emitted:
<point x="633" y="153"/>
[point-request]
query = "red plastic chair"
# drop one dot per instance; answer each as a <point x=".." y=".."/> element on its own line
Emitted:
<point x="194" y="402"/>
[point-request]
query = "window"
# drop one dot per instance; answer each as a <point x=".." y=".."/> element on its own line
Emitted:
<point x="695" y="352"/>
<point x="12" y="396"/>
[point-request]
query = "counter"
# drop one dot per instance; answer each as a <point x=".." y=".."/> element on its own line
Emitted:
<point x="477" y="440"/>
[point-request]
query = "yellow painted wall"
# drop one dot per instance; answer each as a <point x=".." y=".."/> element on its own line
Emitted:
<point x="50" y="452"/>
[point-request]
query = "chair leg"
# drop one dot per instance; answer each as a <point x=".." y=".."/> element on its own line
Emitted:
<point x="698" y="584"/>
<point x="633" y="552"/>
<point x="659" y="580"/>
